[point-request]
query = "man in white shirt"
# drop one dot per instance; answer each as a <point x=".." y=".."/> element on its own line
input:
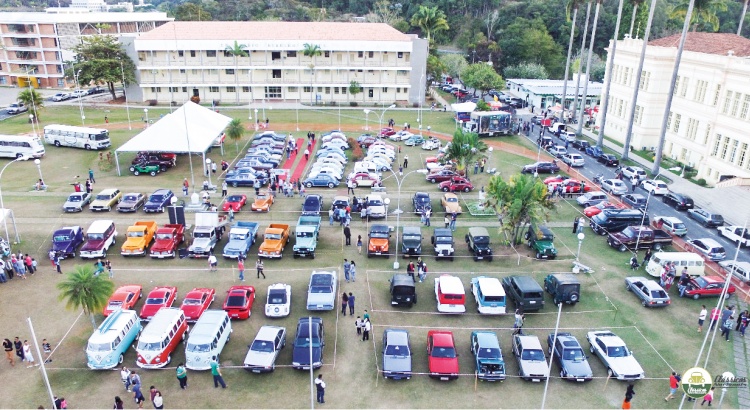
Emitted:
<point x="320" y="387"/>
<point x="212" y="262"/>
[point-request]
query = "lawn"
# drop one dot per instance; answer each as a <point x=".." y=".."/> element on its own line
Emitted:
<point x="661" y="339"/>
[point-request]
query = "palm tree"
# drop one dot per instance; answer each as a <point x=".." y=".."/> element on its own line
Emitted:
<point x="573" y="108"/>
<point x="672" y="83"/>
<point x="520" y="201"/>
<point x="235" y="130"/>
<point x="430" y="20"/>
<point x="635" y="4"/>
<point x="608" y="81"/>
<point x="32" y="99"/>
<point x="237" y="50"/>
<point x="588" y="67"/>
<point x="312" y="51"/>
<point x="637" y="82"/>
<point x="81" y="289"/>
<point x="742" y="18"/>
<point x="465" y="149"/>
<point x="574" y="6"/>
<point x="704" y="13"/>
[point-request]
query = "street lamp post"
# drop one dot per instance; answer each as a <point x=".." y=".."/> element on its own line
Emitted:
<point x="39" y="167"/>
<point x="581" y="236"/>
<point x="124" y="93"/>
<point x="257" y="120"/>
<point x="33" y="126"/>
<point x="80" y="102"/>
<point x="208" y="171"/>
<point x="726" y="376"/>
<point x="2" y="204"/>
<point x="367" y="118"/>
<point x="145" y="113"/>
<point x="398" y="210"/>
<point x="380" y="117"/>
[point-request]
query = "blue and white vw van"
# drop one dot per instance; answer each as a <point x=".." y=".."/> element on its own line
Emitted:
<point x="108" y="344"/>
<point x="489" y="294"/>
<point x="207" y="339"/>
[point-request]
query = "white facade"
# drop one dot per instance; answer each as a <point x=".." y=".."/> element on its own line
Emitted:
<point x="186" y="59"/>
<point x="710" y="114"/>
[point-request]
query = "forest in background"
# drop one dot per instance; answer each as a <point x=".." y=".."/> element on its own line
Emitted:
<point x="517" y="33"/>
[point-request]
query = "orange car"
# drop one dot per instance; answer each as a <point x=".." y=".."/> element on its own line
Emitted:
<point x="263" y="202"/>
<point x="451" y="203"/>
<point x="377" y="243"/>
<point x="125" y="297"/>
<point x="596" y="209"/>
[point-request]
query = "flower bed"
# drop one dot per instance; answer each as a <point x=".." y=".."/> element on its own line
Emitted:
<point x="476" y="209"/>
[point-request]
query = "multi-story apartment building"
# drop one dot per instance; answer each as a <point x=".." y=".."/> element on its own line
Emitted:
<point x="180" y="60"/>
<point x="710" y="113"/>
<point x="35" y="46"/>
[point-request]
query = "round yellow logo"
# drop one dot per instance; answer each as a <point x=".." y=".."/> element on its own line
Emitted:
<point x="696" y="382"/>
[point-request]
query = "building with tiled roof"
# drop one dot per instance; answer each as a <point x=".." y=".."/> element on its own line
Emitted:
<point x="710" y="112"/>
<point x="184" y="59"/>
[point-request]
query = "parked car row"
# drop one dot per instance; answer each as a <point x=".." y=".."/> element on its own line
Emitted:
<point x="63" y="96"/>
<point x="108" y="198"/>
<point x="328" y="168"/>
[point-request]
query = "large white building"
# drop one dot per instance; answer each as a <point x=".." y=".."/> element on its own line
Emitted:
<point x="184" y="59"/>
<point x="710" y="114"/>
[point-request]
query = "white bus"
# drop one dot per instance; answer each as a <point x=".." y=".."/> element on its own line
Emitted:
<point x="78" y="137"/>
<point x="17" y="146"/>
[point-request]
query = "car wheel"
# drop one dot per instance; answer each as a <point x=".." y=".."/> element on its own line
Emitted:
<point x="308" y="184"/>
<point x="234" y="185"/>
<point x="657" y="246"/>
<point x="446" y="189"/>
<point x="87" y="146"/>
<point x="432" y="180"/>
<point x="562" y="372"/>
<point x="330" y="185"/>
<point x="623" y="248"/>
<point x="538" y="255"/>
<point x="467" y="189"/>
<point x="163" y="168"/>
<point x="628" y="288"/>
<point x="705" y="224"/>
<point x="573" y="298"/>
<point x="120" y="360"/>
<point x="591" y="348"/>
<point x="109" y="208"/>
<point x="643" y="303"/>
<point x="153" y="173"/>
<point x="136" y="173"/>
<point x="57" y="143"/>
<point x="698" y="296"/>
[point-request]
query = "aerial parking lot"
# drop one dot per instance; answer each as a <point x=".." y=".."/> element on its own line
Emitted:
<point x="661" y="340"/>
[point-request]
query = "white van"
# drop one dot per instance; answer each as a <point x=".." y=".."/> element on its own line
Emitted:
<point x="207" y="339"/>
<point x="693" y="261"/>
<point x="19" y="146"/>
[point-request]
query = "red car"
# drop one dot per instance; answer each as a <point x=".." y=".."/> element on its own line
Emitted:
<point x="362" y="179"/>
<point x="124" y="298"/>
<point x="440" y="176"/>
<point x="365" y="142"/>
<point x="442" y="359"/>
<point x="703" y="286"/>
<point x="598" y="208"/>
<point x="386" y="132"/>
<point x="239" y="301"/>
<point x="570" y="186"/>
<point x="555" y="179"/>
<point x="236" y="202"/>
<point x="159" y="297"/>
<point x="196" y="302"/>
<point x="456" y="184"/>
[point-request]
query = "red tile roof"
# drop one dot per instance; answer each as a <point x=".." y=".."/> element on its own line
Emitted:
<point x="274" y="30"/>
<point x="708" y="43"/>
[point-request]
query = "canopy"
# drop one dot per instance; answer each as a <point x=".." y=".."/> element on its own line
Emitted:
<point x="464" y="107"/>
<point x="190" y="129"/>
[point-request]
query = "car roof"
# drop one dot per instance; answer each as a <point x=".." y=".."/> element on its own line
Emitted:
<point x="487" y="339"/>
<point x="204" y="330"/>
<point x="402" y="280"/>
<point x="478" y="231"/>
<point x="398" y="337"/>
<point x="490" y="286"/>
<point x="99" y="226"/>
<point x="451" y="285"/>
<point x="529" y="342"/>
<point x="268" y="332"/>
<point x="671" y="219"/>
<point x="112" y="326"/>
<point x="442" y="338"/>
<point x="709" y="241"/>
<point x="108" y="191"/>
<point x="412" y="230"/>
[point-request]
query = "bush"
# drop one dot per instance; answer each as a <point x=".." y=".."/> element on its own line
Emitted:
<point x="353" y="103"/>
<point x="357" y="153"/>
<point x="195" y="99"/>
<point x="701" y="182"/>
<point x="152" y="103"/>
<point x="415" y="105"/>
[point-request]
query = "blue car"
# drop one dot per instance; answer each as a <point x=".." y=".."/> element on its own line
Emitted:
<point x="253" y="163"/>
<point x="244" y="179"/>
<point x="313" y="205"/>
<point x="595" y="151"/>
<point x="321" y="180"/>
<point x="246" y="170"/>
<point x="328" y="149"/>
<point x="158" y="201"/>
<point x="66" y="240"/>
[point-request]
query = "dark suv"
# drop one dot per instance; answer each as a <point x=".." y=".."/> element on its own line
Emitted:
<point x="403" y="291"/>
<point x="525" y="292"/>
<point x="478" y="240"/>
<point x="564" y="287"/>
<point x="680" y="202"/>
<point x="539" y="239"/>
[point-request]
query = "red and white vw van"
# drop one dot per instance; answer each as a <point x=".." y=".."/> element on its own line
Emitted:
<point x="160" y="338"/>
<point x="450" y="294"/>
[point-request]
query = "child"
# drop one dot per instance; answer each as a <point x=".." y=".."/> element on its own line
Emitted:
<point x="47" y="348"/>
<point x="359" y="244"/>
<point x="108" y="265"/>
<point x="125" y="376"/>
<point x="709" y="397"/>
<point x="359" y="325"/>
<point x="33" y="264"/>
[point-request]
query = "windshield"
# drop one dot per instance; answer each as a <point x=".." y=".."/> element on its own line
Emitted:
<point x="236" y="236"/>
<point x="236" y="301"/>
<point x="491" y="353"/>
<point x="164" y="236"/>
<point x="61" y="238"/>
<point x="403" y="290"/>
<point x="305" y="234"/>
<point x="155" y="301"/>
<point x="701" y="282"/>
<point x="445" y="352"/>
<point x="74" y="198"/>
<point x="273" y="236"/>
<point x="151" y="346"/>
<point x="102" y="197"/>
<point x="617" y="351"/>
<point x="114" y="305"/>
<point x="378" y="234"/>
<point x="532" y="354"/>
<point x="277" y="297"/>
<point x="444" y="239"/>
<point x="575" y="355"/>
<point x="95" y="236"/>
<point x="155" y="198"/>
<point x="451" y="199"/>
<point x="191" y="302"/>
<point x="679" y="226"/>
<point x="131" y="198"/>
<point x="375" y="202"/>
<point x="202" y="234"/>
<point x="482" y="240"/>
<point x="235" y="198"/>
<point x="395" y="350"/>
<point x="303" y="339"/>
<point x="135" y="234"/>
<point x="101" y="137"/>
<point x="198" y="347"/>
<point x="99" y="347"/>
<point x="412" y="237"/>
<point x="262" y="346"/>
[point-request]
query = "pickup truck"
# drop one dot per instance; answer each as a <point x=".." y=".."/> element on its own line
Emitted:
<point x="209" y="227"/>
<point x="274" y="241"/>
<point x="242" y="236"/>
<point x="66" y="240"/>
<point x="736" y="234"/>
<point x="168" y="238"/>
<point x="138" y="237"/>
<point x="639" y="237"/>
<point x="306" y="236"/>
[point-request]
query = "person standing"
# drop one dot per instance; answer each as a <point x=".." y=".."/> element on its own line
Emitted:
<point x="709" y="397"/>
<point x="230" y="214"/>
<point x="575" y="225"/>
<point x="682" y="284"/>
<point x="216" y="373"/>
<point x="346" y="270"/>
<point x="366" y="330"/>
<point x="348" y="235"/>
<point x="410" y="270"/>
<point x="427" y="215"/>
<point x="320" y="388"/>
<point x="447" y="220"/>
<point x="626" y="404"/>
<point x="406" y="161"/>
<point x="185" y="186"/>
<point x="351" y="304"/>
<point x="259" y="268"/>
<point x="581" y="224"/>
<point x="423" y="273"/>
<point x="138" y="396"/>
<point x="158" y="399"/>
<point x="359" y="244"/>
<point x="453" y="221"/>
<point x="27" y="356"/>
<point x="8" y="347"/>
<point x="358" y="324"/>
<point x="673" y="384"/>
<point x="213" y="167"/>
<point x="646" y="257"/>
<point x="344" y="303"/>
<point x="224" y="188"/>
<point x="353" y="271"/>
<point x="350" y="187"/>
<point x="182" y="376"/>
<point x="241" y="268"/>
<point x="91" y="176"/>
<point x="714" y="317"/>
<point x="212" y="262"/>
<point x="57" y="263"/>
<point x="702" y="317"/>
<point x="726" y="329"/>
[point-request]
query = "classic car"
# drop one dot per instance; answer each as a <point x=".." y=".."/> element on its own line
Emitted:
<point x="76" y="201"/>
<point x="648" y="291"/>
<point x="131" y="202"/>
<point x="158" y="201"/>
<point x="321" y="180"/>
<point x="123" y="298"/>
<point x="442" y="359"/>
<point x="488" y="356"/>
<point x="278" y="300"/>
<point x="159" y="297"/>
<point x="262" y="202"/>
<point x="144" y="168"/>
<point x="234" y="202"/>
<point x="456" y="184"/>
<point x="596" y="209"/>
<point x="450" y="203"/>
<point x="309" y="343"/>
<point x="106" y="199"/>
<point x="565" y="349"/>
<point x="196" y="302"/>
<point x="264" y="350"/>
<point x="615" y="355"/>
<point x="421" y="202"/>
<point x="239" y="301"/>
<point x="396" y="354"/>
<point x="441" y="175"/>
<point x="321" y="292"/>
<point x="707" y="286"/>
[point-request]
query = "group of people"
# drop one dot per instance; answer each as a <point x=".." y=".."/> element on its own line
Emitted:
<point x="363" y="326"/>
<point x="726" y="319"/>
<point x="132" y="382"/>
<point x="350" y="271"/>
<point x="23" y="351"/>
<point x="19" y="264"/>
<point x="420" y="268"/>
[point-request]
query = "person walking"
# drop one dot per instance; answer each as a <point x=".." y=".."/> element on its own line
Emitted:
<point x="714" y="317"/>
<point x="259" y="268"/>
<point x="726" y="329"/>
<point x="646" y="257"/>
<point x="358" y="324"/>
<point x="453" y="221"/>
<point x="674" y="383"/>
<point x="366" y="330"/>
<point x="575" y="225"/>
<point x="347" y="265"/>
<point x="348" y="235"/>
<point x="709" y="397"/>
<point x="216" y="373"/>
<point x="28" y="357"/>
<point x="702" y="317"/>
<point x="359" y="244"/>
<point x="138" y="396"/>
<point x="344" y="302"/>
<point x="410" y="270"/>
<point x="406" y="161"/>
<point x="212" y="262"/>
<point x="8" y="347"/>
<point x="427" y="215"/>
<point x="185" y="186"/>
<point x="91" y="176"/>
<point x="351" y="303"/>
<point x="740" y="319"/>
<point x="422" y="272"/>
<point x="447" y="220"/>
<point x="241" y="268"/>
<point x="320" y="388"/>
<point x="182" y="376"/>
<point x="353" y="271"/>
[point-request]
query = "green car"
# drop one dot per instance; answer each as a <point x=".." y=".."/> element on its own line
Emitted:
<point x="139" y="169"/>
<point x="539" y="238"/>
<point x="415" y="140"/>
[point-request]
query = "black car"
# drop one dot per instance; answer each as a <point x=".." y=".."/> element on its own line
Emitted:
<point x="581" y="145"/>
<point x="541" y="167"/>
<point x="680" y="202"/>
<point x="158" y="201"/>
<point x="608" y="160"/>
<point x="305" y="341"/>
<point x="421" y="202"/>
<point x="313" y="205"/>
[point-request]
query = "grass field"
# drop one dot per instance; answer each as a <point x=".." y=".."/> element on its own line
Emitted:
<point x="662" y="340"/>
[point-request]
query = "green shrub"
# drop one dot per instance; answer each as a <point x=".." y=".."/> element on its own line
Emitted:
<point x="701" y="182"/>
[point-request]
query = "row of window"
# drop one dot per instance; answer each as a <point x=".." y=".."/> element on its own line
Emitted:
<point x="306" y="89"/>
<point x="275" y="73"/>
<point x="626" y="76"/>
<point x="736" y="105"/>
<point x="276" y="55"/>
<point x="731" y="150"/>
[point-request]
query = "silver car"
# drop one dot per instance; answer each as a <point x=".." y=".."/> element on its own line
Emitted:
<point x="614" y="186"/>
<point x="648" y="291"/>
<point x="740" y="270"/>
<point x="532" y="364"/>
<point x="575" y="160"/>
<point x="262" y="353"/>
<point x="321" y="293"/>
<point x="396" y="354"/>
<point x="615" y="355"/>
<point x="76" y="201"/>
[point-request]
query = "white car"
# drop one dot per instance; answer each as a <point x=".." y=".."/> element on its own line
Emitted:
<point x="628" y="172"/>
<point x="262" y="353"/>
<point x="331" y="159"/>
<point x="279" y="300"/>
<point x="615" y="355"/>
<point x="78" y="93"/>
<point x="575" y="160"/>
<point x="431" y="144"/>
<point x="381" y="165"/>
<point x="400" y="136"/>
<point x="321" y="293"/>
<point x="614" y="187"/>
<point x="569" y="136"/>
<point x="382" y="151"/>
<point x="655" y="187"/>
<point x="737" y="234"/>
<point x="333" y="136"/>
<point x="335" y="165"/>
<point x="60" y="97"/>
<point x="557" y="150"/>
<point x="333" y="154"/>
<point x="382" y="144"/>
<point x="380" y="156"/>
<point x="335" y="143"/>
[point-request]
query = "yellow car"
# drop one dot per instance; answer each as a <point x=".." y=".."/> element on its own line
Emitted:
<point x="450" y="203"/>
<point x="105" y="200"/>
<point x="263" y="202"/>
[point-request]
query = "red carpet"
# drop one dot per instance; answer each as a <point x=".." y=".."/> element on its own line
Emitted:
<point x="289" y="161"/>
<point x="302" y="161"/>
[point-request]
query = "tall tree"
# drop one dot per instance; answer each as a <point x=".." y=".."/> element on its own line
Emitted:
<point x="237" y="50"/>
<point x="608" y="82"/>
<point x="354" y="89"/>
<point x="312" y="51"/>
<point x="704" y="13"/>
<point x="529" y="41"/>
<point x="235" y="130"/>
<point x="430" y="20"/>
<point x="588" y="67"/>
<point x="742" y="18"/>
<point x="191" y="12"/>
<point x="435" y="67"/>
<point x="574" y="5"/>
<point x="102" y="60"/>
<point x="454" y="64"/>
<point x="520" y="201"/>
<point x="32" y="99"/>
<point x="81" y="289"/>
<point x="526" y="70"/>
<point x="464" y="149"/>
<point x="482" y="77"/>
<point x="635" y="4"/>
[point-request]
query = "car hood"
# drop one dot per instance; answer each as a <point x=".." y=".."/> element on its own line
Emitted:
<point x="396" y="363"/>
<point x="377" y="209"/>
<point x="411" y="243"/>
<point x="301" y="355"/>
<point x="201" y="243"/>
<point x="61" y="245"/>
<point x="262" y="359"/>
<point x="546" y="246"/>
<point x="71" y="204"/>
<point x="304" y="242"/>
<point x="236" y="245"/>
<point x="127" y="204"/>
<point x="320" y="299"/>
<point x="379" y="241"/>
<point x="443" y="365"/>
<point x="581" y="368"/>
<point x="535" y="367"/>
<point x="497" y="362"/>
<point x="153" y="205"/>
<point x="93" y="245"/>
<point x="625" y="365"/>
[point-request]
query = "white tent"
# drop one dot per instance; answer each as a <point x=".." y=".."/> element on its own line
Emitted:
<point x="464" y="107"/>
<point x="191" y="129"/>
